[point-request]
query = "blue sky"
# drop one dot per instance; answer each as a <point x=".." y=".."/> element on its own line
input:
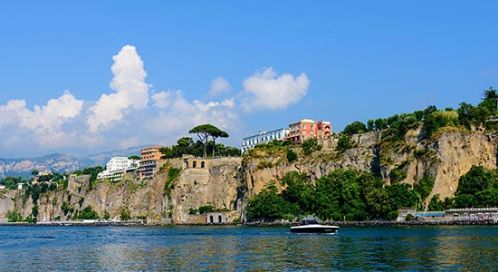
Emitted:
<point x="362" y="59"/>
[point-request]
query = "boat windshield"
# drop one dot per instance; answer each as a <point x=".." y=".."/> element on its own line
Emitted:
<point x="309" y="221"/>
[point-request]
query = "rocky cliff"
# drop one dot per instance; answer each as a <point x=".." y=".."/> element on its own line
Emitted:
<point x="226" y="184"/>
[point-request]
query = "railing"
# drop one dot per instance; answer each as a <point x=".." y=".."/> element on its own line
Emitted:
<point x="491" y="209"/>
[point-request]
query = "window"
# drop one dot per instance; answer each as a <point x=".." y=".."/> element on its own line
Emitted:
<point x="194" y="164"/>
<point x="203" y="164"/>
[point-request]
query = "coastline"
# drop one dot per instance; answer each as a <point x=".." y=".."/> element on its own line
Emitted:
<point x="262" y="224"/>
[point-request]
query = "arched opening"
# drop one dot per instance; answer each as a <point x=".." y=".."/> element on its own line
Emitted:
<point x="203" y="164"/>
<point x="211" y="219"/>
<point x="220" y="219"/>
<point x="186" y="164"/>
<point x="194" y="164"/>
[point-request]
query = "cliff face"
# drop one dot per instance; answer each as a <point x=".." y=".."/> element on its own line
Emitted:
<point x="446" y="158"/>
<point x="227" y="184"/>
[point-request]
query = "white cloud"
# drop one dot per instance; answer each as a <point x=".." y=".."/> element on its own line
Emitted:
<point x="44" y="124"/>
<point x="49" y="117"/>
<point x="130" y="90"/>
<point x="164" y="99"/>
<point x="68" y="124"/>
<point x="267" y="90"/>
<point x="177" y="115"/>
<point x="219" y="86"/>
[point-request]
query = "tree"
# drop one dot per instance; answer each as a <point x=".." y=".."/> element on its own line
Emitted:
<point x="218" y="134"/>
<point x="204" y="132"/>
<point x="310" y="145"/>
<point x="134" y="157"/>
<point x="291" y="155"/>
<point x="476" y="180"/>
<point x="355" y="128"/>
<point x="436" y="204"/>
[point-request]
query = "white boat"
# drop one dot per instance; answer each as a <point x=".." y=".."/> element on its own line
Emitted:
<point x="310" y="225"/>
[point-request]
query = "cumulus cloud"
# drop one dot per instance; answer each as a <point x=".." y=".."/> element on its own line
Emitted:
<point x="130" y="90"/>
<point x="267" y="90"/>
<point x="43" y="125"/>
<point x="219" y="86"/>
<point x="66" y="123"/>
<point x="176" y="113"/>
<point x="49" y="117"/>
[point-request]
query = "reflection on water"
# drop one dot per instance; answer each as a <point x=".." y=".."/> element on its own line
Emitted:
<point x="245" y="248"/>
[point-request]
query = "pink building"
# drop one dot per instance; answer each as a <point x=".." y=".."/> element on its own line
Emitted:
<point x="307" y="129"/>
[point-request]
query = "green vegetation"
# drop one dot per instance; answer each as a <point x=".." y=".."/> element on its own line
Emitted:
<point x="398" y="174"/>
<point x="92" y="171"/>
<point x="14" y="216"/>
<point x="206" y="209"/>
<point x="264" y="164"/>
<point x="124" y="214"/>
<point x="477" y="188"/>
<point x="204" y="132"/>
<point x="291" y="155"/>
<point x="355" y="128"/>
<point x="88" y="213"/>
<point x="134" y="157"/>
<point x="311" y="145"/>
<point x="467" y="116"/>
<point x="173" y="174"/>
<point x="65" y="207"/>
<point x="11" y="183"/>
<point x="344" y="143"/>
<point x="187" y="146"/>
<point x="424" y="186"/>
<point x="343" y="194"/>
<point x="436" y="204"/>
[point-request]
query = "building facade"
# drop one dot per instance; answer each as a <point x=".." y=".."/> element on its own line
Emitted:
<point x="150" y="159"/>
<point x="117" y="167"/>
<point x="264" y="137"/>
<point x="309" y="129"/>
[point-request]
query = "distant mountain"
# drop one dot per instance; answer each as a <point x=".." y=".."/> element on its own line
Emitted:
<point x="102" y="158"/>
<point x="52" y="162"/>
<point x="59" y="162"/>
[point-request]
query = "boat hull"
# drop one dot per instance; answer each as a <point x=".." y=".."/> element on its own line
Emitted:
<point x="315" y="229"/>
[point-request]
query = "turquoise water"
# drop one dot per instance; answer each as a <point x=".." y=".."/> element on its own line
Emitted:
<point x="246" y="248"/>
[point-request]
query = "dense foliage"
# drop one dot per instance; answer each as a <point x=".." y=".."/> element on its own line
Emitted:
<point x="341" y="195"/>
<point x="482" y="116"/>
<point x="355" y="128"/>
<point x="311" y="145"/>
<point x="477" y="188"/>
<point x="12" y="182"/>
<point x="187" y="146"/>
<point x="88" y="213"/>
<point x="92" y="171"/>
<point x="204" y="132"/>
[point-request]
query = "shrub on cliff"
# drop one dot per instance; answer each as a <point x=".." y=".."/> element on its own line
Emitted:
<point x="477" y="188"/>
<point x="344" y="143"/>
<point x="424" y="186"/>
<point x="14" y="216"/>
<point x="291" y="155"/>
<point x="355" y="128"/>
<point x="88" y="213"/>
<point x="311" y="145"/>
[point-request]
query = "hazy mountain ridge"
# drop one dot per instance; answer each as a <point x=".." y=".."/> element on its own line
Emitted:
<point x="59" y="162"/>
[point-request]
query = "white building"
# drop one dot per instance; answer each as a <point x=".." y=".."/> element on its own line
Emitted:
<point x="117" y="167"/>
<point x="264" y="137"/>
